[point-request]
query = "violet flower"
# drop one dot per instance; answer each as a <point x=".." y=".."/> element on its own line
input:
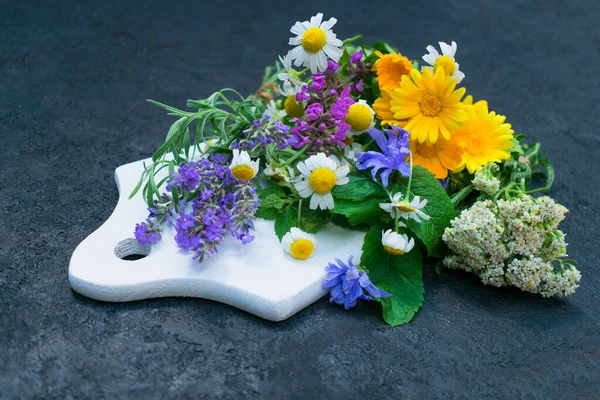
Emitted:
<point x="393" y="155"/>
<point x="147" y="232"/>
<point x="346" y="284"/>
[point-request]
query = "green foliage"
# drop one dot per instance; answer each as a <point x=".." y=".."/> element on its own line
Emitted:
<point x="359" y="188"/>
<point x="359" y="212"/>
<point x="400" y="276"/>
<point x="285" y="221"/>
<point x="439" y="208"/>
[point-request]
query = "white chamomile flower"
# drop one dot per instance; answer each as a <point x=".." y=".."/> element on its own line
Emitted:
<point x="276" y="173"/>
<point x="351" y="152"/>
<point x="396" y="243"/>
<point x="298" y="244"/>
<point x="360" y="117"/>
<point x="273" y="112"/>
<point x="445" y="60"/>
<point x="319" y="175"/>
<point x="290" y="74"/>
<point x="242" y="167"/>
<point x="290" y="105"/>
<point x="315" y="41"/>
<point x="404" y="209"/>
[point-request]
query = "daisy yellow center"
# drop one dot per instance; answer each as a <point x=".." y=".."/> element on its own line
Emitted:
<point x="359" y="117"/>
<point x="292" y="107"/>
<point x="322" y="180"/>
<point x="301" y="249"/>
<point x="393" y="251"/>
<point x="405" y="208"/>
<point x="430" y="105"/>
<point x="242" y="172"/>
<point x="447" y="63"/>
<point x="313" y="40"/>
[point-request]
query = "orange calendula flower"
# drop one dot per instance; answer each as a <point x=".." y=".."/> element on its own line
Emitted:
<point x="485" y="137"/>
<point x="390" y="69"/>
<point x="430" y="103"/>
<point x="438" y="158"/>
<point x="381" y="106"/>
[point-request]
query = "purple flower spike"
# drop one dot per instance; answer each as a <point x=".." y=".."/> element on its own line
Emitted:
<point x="356" y="58"/>
<point x="394" y="151"/>
<point x="147" y="232"/>
<point x="346" y="284"/>
<point x="302" y="95"/>
<point x="314" y="111"/>
<point x="318" y="82"/>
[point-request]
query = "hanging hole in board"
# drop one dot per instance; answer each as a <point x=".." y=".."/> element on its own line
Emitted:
<point x="131" y="250"/>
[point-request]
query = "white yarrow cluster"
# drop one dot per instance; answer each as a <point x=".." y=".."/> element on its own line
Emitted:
<point x="515" y="243"/>
<point x="484" y="180"/>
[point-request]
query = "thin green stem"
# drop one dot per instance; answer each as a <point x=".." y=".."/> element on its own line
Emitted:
<point x="409" y="178"/>
<point x="352" y="39"/>
<point x="294" y="157"/>
<point x="300" y="213"/>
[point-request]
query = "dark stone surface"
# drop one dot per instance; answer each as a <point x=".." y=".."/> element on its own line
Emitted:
<point x="74" y="77"/>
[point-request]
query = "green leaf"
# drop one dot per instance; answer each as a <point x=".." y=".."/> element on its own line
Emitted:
<point x="439" y="208"/>
<point x="401" y="276"/>
<point x="286" y="221"/>
<point x="345" y="57"/>
<point x="549" y="173"/>
<point x="360" y="187"/>
<point x="272" y="201"/>
<point x="269" y="214"/>
<point x="313" y="223"/>
<point x="272" y="189"/>
<point x="359" y="212"/>
<point x="384" y="47"/>
<point x="174" y="135"/>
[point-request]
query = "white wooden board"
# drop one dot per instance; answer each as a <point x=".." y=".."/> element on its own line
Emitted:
<point x="258" y="277"/>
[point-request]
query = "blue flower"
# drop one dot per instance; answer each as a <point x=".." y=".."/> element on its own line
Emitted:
<point x="346" y="284"/>
<point x="394" y="151"/>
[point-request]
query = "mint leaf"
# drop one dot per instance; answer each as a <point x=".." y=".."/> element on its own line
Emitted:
<point x="313" y="223"/>
<point x="439" y="208"/>
<point x="272" y="200"/>
<point x="359" y="212"/>
<point x="286" y="221"/>
<point x="400" y="276"/>
<point x="267" y="213"/>
<point x="360" y="187"/>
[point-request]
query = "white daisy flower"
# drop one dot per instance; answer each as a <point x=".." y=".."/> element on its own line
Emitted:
<point x="360" y="117"/>
<point x="290" y="105"/>
<point x="446" y="60"/>
<point x="273" y="112"/>
<point x="404" y="209"/>
<point x="242" y="167"/>
<point x="395" y="243"/>
<point x="277" y="174"/>
<point x="298" y="244"/>
<point x="315" y="41"/>
<point x="350" y="152"/>
<point x="319" y="175"/>
<point x="290" y="74"/>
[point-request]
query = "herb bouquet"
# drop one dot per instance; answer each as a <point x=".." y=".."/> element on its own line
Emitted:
<point x="363" y="137"/>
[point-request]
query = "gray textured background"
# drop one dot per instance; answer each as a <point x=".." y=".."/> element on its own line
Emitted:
<point x="74" y="77"/>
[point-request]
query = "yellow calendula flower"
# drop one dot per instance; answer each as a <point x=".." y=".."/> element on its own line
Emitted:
<point x="381" y="106"/>
<point x="439" y="157"/>
<point x="485" y="137"/>
<point x="430" y="103"/>
<point x="390" y="69"/>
